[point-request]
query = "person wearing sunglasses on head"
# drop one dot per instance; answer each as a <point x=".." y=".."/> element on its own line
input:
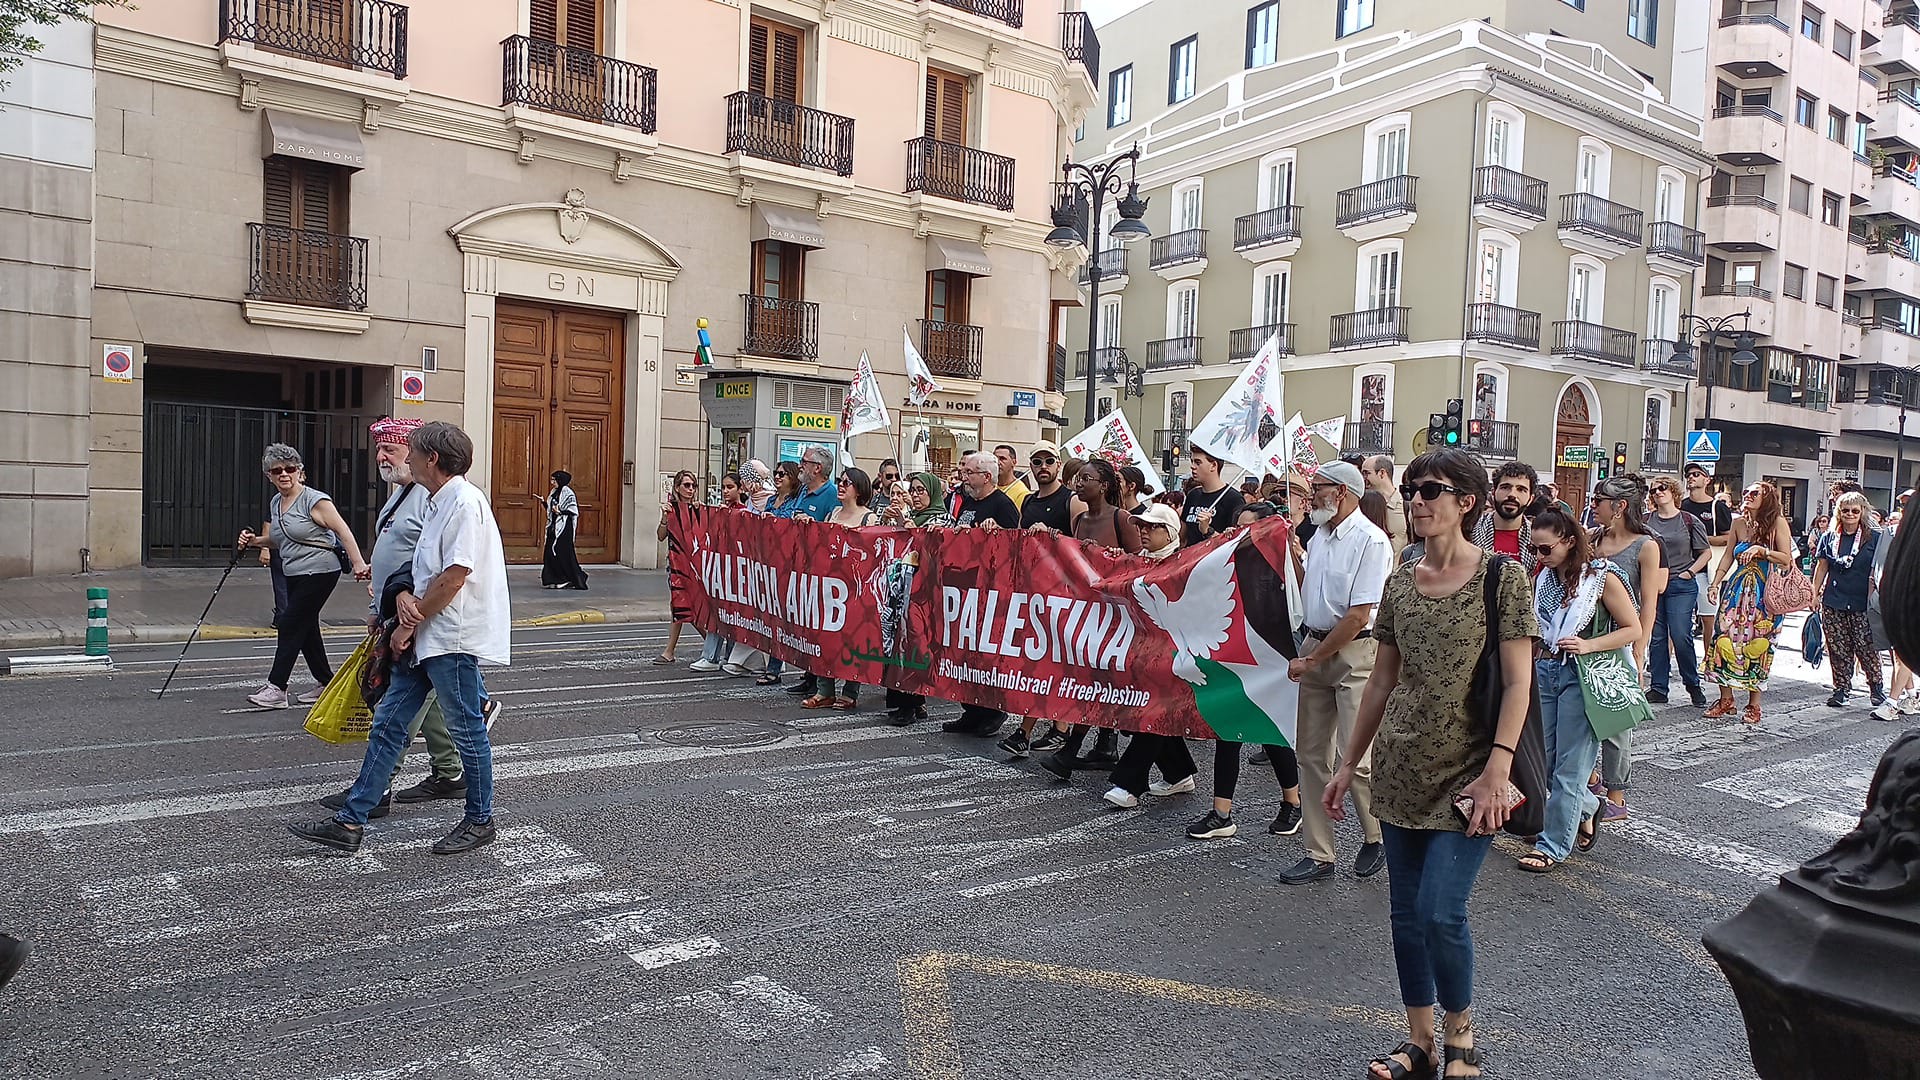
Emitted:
<point x="1441" y="770"/>
<point x="1741" y="656"/>
<point x="1685" y="550"/>
<point x="1842" y="575"/>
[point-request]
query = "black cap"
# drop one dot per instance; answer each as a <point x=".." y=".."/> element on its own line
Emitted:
<point x="1694" y="466"/>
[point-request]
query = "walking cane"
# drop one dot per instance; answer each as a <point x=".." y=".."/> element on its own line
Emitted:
<point x="231" y="563"/>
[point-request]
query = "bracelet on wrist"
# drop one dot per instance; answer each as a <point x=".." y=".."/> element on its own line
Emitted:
<point x="1508" y="749"/>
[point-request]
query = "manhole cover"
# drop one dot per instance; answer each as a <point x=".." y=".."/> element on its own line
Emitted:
<point x="721" y="734"/>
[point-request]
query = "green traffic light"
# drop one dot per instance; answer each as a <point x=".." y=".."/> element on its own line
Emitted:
<point x="1453" y="438"/>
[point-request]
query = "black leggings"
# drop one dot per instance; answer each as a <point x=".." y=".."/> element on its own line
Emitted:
<point x="1226" y="767"/>
<point x="299" y="628"/>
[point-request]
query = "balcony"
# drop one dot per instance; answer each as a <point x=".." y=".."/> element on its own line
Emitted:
<point x="1746" y="135"/>
<point x="1888" y="344"/>
<point x="1493" y="440"/>
<point x="1899" y="120"/>
<point x="1079" y="43"/>
<point x="539" y="74"/>
<point x="1112" y="264"/>
<point x="1502" y="325"/>
<point x="1010" y="12"/>
<point x="1508" y="200"/>
<point x="363" y="35"/>
<point x="1109" y="356"/>
<point x="1368" y="437"/>
<point x="1751" y="46"/>
<point x="1365" y="329"/>
<point x="951" y="350"/>
<point x="306" y="267"/>
<point x="1896" y="191"/>
<point x="1383" y="208"/>
<point x="1850" y="335"/>
<point x="1856" y="256"/>
<point x="1179" y="255"/>
<point x="1742" y="222"/>
<point x="1268" y="234"/>
<point x="1591" y="224"/>
<point x="1898" y="48"/>
<point x="1724" y="298"/>
<point x="1662" y="455"/>
<point x="1876" y="415"/>
<point x="780" y="131"/>
<point x="1170" y="353"/>
<point x="1672" y="248"/>
<point x="1657" y="357"/>
<point x="1891" y="267"/>
<point x="953" y="171"/>
<point x="1591" y="341"/>
<point x="781" y="329"/>
<point x="1246" y="343"/>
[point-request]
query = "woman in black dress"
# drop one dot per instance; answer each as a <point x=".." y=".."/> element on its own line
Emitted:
<point x="560" y="568"/>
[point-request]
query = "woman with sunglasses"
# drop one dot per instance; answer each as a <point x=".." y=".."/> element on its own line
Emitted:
<point x="1842" y="574"/>
<point x="1430" y="750"/>
<point x="855" y="490"/>
<point x="1742" y="654"/>
<point x="1584" y="607"/>
<point x="684" y="491"/>
<point x="304" y="529"/>
<point x="1622" y="538"/>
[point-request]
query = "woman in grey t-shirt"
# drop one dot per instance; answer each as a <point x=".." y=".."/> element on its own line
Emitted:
<point x="303" y="526"/>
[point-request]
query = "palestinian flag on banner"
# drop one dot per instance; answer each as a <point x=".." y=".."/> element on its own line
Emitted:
<point x="1224" y="606"/>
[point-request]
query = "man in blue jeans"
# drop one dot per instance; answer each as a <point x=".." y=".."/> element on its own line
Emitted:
<point x="455" y="619"/>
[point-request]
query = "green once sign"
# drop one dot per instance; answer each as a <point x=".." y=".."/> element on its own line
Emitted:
<point x="1576" y="455"/>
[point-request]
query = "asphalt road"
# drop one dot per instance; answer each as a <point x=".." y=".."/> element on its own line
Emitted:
<point x="696" y="878"/>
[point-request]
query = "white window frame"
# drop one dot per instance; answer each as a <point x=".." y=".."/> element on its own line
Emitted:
<point x="1666" y="414"/>
<point x="1183" y="81"/>
<point x="1120" y="79"/>
<point x="1166" y="403"/>
<point x="1261" y="275"/>
<point x="1669" y="195"/>
<point x="1267" y="198"/>
<point x="1600" y="182"/>
<point x="1109" y="323"/>
<point x="1663" y="324"/>
<point x="1501" y="380"/>
<point x="1195" y="187"/>
<point x="1178" y="294"/>
<point x="1370" y="163"/>
<point x="1352" y="17"/>
<point x="1513" y="155"/>
<point x="1363" y="291"/>
<point x="1359" y="379"/>
<point x="1647" y="14"/>
<point x="1596" y="294"/>
<point x="1263" y="16"/>
<point x="1508" y="287"/>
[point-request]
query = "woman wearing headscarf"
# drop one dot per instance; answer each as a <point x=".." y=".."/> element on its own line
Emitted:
<point x="924" y="507"/>
<point x="560" y="567"/>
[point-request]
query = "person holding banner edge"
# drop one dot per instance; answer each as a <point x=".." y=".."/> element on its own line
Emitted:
<point x="1211" y="508"/>
<point x="978" y="502"/>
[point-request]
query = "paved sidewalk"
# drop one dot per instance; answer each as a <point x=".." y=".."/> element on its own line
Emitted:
<point x="157" y="605"/>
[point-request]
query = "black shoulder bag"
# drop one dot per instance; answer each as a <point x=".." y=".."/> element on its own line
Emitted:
<point x="1529" y="772"/>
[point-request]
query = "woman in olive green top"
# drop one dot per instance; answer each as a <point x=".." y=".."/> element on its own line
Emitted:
<point x="1427" y="751"/>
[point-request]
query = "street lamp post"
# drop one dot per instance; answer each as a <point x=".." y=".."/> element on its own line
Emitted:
<point x="1093" y="184"/>
<point x="1710" y="331"/>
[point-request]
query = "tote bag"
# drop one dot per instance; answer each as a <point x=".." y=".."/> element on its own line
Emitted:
<point x="1529" y="772"/>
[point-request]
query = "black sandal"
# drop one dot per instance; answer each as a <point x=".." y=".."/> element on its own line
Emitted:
<point x="1537" y="862"/>
<point x="1465" y="1055"/>
<point x="1589" y="833"/>
<point x="1422" y="1064"/>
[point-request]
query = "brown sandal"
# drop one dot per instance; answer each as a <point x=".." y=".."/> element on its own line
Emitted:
<point x="1752" y="715"/>
<point x="1720" y="708"/>
<point x="817" y="701"/>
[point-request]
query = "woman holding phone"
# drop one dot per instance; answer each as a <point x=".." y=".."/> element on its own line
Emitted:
<point x="1430" y="751"/>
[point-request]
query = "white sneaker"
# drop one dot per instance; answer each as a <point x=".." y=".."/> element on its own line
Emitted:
<point x="703" y="664"/>
<point x="1121" y="797"/>
<point x="1910" y="703"/>
<point x="731" y="668"/>
<point x="1178" y="787"/>
<point x="269" y="697"/>
<point x="312" y="696"/>
<point x="1889" y="710"/>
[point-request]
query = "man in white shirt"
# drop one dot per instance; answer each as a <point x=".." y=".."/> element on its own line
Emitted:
<point x="454" y="618"/>
<point x="1345" y="573"/>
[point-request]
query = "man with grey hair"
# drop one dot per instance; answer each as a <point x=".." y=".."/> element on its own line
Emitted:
<point x="979" y="501"/>
<point x="453" y="617"/>
<point x="818" y="499"/>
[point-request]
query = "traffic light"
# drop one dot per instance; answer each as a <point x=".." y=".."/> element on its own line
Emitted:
<point x="1436" y="430"/>
<point x="1600" y="471"/>
<point x="1619" y="458"/>
<point x="1451" y="432"/>
<point x="1476" y="433"/>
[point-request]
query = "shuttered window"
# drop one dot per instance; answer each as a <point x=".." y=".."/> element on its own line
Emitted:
<point x="302" y="194"/>
<point x="773" y="60"/>
<point x="573" y="23"/>
<point x="948" y="292"/>
<point x="779" y="270"/>
<point x="946" y="117"/>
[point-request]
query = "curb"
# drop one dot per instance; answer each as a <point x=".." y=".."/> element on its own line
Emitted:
<point x="644" y="611"/>
<point x="71" y="664"/>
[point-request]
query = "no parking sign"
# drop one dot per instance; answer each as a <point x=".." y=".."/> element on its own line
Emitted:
<point x="413" y="387"/>
<point x="116" y="363"/>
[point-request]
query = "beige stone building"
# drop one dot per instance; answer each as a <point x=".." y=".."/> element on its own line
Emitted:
<point x="1495" y="202"/>
<point x="510" y="214"/>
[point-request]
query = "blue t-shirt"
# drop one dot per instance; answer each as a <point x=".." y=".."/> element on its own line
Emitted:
<point x="818" y="505"/>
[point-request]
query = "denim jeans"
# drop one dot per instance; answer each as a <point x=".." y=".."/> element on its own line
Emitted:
<point x="716" y="648"/>
<point x="1673" y="619"/>
<point x="1570" y="750"/>
<point x="455" y="679"/>
<point x="1430" y="874"/>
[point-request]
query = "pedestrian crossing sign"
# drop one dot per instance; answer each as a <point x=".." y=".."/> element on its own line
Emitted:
<point x="1703" y="446"/>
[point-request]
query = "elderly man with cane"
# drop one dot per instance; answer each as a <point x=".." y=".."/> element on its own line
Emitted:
<point x="453" y="618"/>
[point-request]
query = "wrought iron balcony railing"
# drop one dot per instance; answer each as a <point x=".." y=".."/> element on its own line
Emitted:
<point x="1080" y="44"/>
<point x="1493" y="440"/>
<point x="1591" y="341"/>
<point x="952" y="349"/>
<point x="1112" y="263"/>
<point x="1512" y="191"/>
<point x="574" y="82"/>
<point x="1104" y="357"/>
<point x="1677" y="242"/>
<point x="781" y="329"/>
<point x="1370" y="202"/>
<point x="1658" y="357"/>
<point x="1765" y="112"/>
<point x="1758" y="201"/>
<point x="1271" y="226"/>
<point x="1376" y="326"/>
<point x="1246" y="343"/>
<point x="370" y="35"/>
<point x="1368" y="437"/>
<point x="1504" y="325"/>
<point x="955" y="171"/>
<point x="1185" y="246"/>
<point x="1588" y="213"/>
<point x="792" y="134"/>
<point x="1753" y="292"/>
<point x="1010" y="12"/>
<point x="1175" y="352"/>
<point x="304" y="266"/>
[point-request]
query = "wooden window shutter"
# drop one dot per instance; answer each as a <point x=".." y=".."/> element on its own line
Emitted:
<point x="757" y="58"/>
<point x="277" y="190"/>
<point x="318" y="210"/>
<point x="773" y="61"/>
<point x="580" y="27"/>
<point x="946" y="118"/>
<point x="544" y="20"/>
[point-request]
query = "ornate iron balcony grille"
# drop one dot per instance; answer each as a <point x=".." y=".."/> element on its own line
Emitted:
<point x="1080" y="44"/>
<point x="1583" y="212"/>
<point x="1672" y="239"/>
<point x="1659" y="357"/>
<point x="764" y="127"/>
<point x="1245" y="344"/>
<point x="1591" y="341"/>
<point x="1266" y="227"/>
<point x="367" y="34"/>
<point x="782" y="329"/>
<point x="1112" y="263"/>
<point x="951" y="349"/>
<point x="1368" y="437"/>
<point x="1504" y="326"/>
<point x="1176" y="352"/>
<point x="574" y="82"/>
<point x="1006" y="11"/>
<point x="1493" y="440"/>
<point x="1103" y="356"/>
<point x="1511" y="191"/>
<point x="954" y="171"/>
<point x="1188" y="245"/>
<point x="1382" y="198"/>
<point x="302" y="266"/>
<point x="1359" y="329"/>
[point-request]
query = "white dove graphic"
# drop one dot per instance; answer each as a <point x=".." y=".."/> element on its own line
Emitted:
<point x="1198" y="622"/>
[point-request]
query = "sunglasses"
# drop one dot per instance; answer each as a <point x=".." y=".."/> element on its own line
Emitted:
<point x="283" y="470"/>
<point x="1545" y="551"/>
<point x="1850" y="510"/>
<point x="1044" y="459"/>
<point x="1428" y="491"/>
<point x="841" y="480"/>
<point x="1755" y="492"/>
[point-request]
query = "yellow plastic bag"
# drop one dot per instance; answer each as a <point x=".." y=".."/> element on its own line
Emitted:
<point x="340" y="716"/>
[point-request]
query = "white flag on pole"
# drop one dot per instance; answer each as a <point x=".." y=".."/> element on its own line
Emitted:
<point x="1231" y="429"/>
<point x="920" y="384"/>
<point x="1330" y="430"/>
<point x="865" y="408"/>
<point x="1112" y="438"/>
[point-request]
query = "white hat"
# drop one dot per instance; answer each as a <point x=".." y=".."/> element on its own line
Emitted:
<point x="1159" y="514"/>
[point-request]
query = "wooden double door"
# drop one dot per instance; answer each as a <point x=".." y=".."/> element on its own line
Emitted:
<point x="558" y="401"/>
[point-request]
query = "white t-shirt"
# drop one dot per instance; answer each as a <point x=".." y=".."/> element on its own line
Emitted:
<point x="460" y="531"/>
<point x="1347" y="566"/>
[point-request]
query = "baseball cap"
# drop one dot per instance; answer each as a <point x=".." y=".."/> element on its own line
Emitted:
<point x="1695" y="467"/>
<point x="1159" y="514"/>
<point x="1045" y="446"/>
